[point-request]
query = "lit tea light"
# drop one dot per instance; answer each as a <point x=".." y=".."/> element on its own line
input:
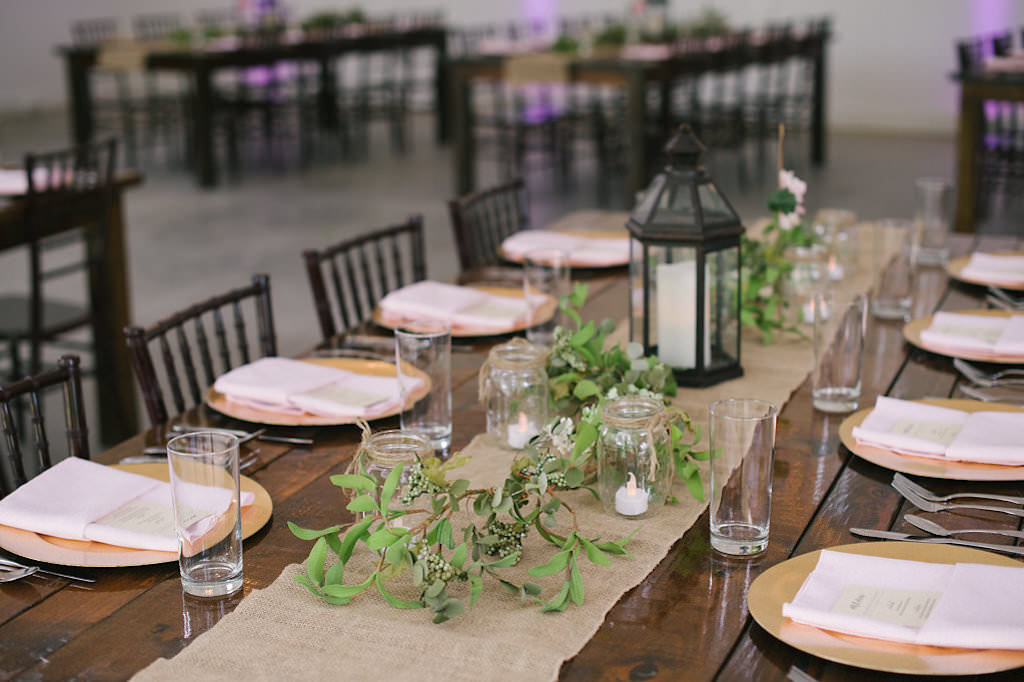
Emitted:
<point x="631" y="500"/>
<point x="519" y="434"/>
<point x="835" y="269"/>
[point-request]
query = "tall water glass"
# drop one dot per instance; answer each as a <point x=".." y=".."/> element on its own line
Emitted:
<point x="894" y="273"/>
<point x="932" y="220"/>
<point x="423" y="351"/>
<point x="546" y="275"/>
<point x="207" y="511"/>
<point x="741" y="436"/>
<point x="840" y="321"/>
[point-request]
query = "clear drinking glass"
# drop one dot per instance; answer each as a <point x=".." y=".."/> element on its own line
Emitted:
<point x="741" y="436"/>
<point x="425" y="348"/>
<point x="207" y="511"/>
<point x="840" y="320"/>
<point x="546" y="275"/>
<point x="895" y="273"/>
<point x="932" y="220"/>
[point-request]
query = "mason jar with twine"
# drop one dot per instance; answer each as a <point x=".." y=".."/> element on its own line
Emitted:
<point x="513" y="386"/>
<point x="634" y="456"/>
<point x="379" y="453"/>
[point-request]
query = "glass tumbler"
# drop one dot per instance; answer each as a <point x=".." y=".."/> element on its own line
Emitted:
<point x="932" y="220"/>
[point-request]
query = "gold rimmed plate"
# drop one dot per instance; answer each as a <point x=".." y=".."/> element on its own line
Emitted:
<point x="955" y="267"/>
<point x="780" y="583"/>
<point x="912" y="333"/>
<point x="359" y="365"/>
<point x="51" y="550"/>
<point x="543" y="313"/>
<point x="928" y="466"/>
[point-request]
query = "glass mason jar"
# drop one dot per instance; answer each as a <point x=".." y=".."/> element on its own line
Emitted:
<point x="514" y="388"/>
<point x="807" y="277"/>
<point x="634" y="457"/>
<point x="385" y="450"/>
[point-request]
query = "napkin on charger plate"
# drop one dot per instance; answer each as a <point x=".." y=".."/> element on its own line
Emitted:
<point x="998" y="335"/>
<point x="924" y="430"/>
<point x="994" y="268"/>
<point x="583" y="250"/>
<point x="81" y="500"/>
<point x="977" y="606"/>
<point x="293" y="387"/>
<point x="456" y="305"/>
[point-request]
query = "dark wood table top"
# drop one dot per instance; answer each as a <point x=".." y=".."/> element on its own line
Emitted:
<point x="686" y="620"/>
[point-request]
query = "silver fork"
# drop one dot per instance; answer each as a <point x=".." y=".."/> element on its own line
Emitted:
<point x="900" y="481"/>
<point x="995" y="394"/>
<point x="1010" y="302"/>
<point x="930" y="526"/>
<point x="9" y="575"/>
<point x="927" y="506"/>
<point x="1006" y="377"/>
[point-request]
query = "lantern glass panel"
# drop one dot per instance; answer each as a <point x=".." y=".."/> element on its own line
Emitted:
<point x="722" y="297"/>
<point x="716" y="210"/>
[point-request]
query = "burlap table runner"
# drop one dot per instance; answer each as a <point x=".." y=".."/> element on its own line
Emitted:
<point x="283" y="632"/>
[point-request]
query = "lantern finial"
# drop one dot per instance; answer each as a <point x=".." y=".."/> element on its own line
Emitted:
<point x="684" y="150"/>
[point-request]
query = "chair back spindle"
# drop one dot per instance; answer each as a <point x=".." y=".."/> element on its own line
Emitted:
<point x="482" y="220"/>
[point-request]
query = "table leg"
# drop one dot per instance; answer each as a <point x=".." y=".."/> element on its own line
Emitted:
<point x="327" y="98"/>
<point x="206" y="165"/>
<point x="111" y="301"/>
<point x="969" y="141"/>
<point x="818" y="144"/>
<point x="440" y="91"/>
<point x="77" y="68"/>
<point x="464" y="155"/>
<point x="636" y="126"/>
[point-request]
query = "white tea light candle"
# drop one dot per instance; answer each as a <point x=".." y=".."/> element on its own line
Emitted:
<point x="520" y="433"/>
<point x="631" y="500"/>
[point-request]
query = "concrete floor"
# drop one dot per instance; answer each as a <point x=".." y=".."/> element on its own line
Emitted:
<point x="186" y="244"/>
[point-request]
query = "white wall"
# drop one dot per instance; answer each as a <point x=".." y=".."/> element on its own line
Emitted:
<point x="889" y="62"/>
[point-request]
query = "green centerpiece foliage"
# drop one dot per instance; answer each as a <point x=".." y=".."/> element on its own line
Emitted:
<point x="765" y="265"/>
<point x="418" y="533"/>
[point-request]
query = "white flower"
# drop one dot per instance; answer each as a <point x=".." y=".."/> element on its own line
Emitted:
<point x="787" y="221"/>
<point x="789" y="180"/>
<point x="766" y="291"/>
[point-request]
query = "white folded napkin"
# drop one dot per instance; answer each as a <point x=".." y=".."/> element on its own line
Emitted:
<point x="914" y="428"/>
<point x="955" y="605"/>
<point x="294" y="386"/>
<point x="81" y="500"/>
<point x="981" y="333"/>
<point x="909" y="427"/>
<point x="994" y="268"/>
<point x="462" y="306"/>
<point x="13" y="182"/>
<point x="583" y="250"/>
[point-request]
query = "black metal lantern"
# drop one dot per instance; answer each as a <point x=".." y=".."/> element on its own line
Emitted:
<point x="684" y="270"/>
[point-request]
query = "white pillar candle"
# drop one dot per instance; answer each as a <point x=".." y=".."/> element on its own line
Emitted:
<point x="677" y="314"/>
<point x="631" y="500"/>
<point x="520" y="433"/>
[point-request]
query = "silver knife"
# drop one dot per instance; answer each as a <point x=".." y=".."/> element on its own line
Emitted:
<point x="189" y="428"/>
<point x="892" y="535"/>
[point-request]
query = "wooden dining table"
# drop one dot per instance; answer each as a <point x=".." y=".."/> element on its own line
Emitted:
<point x="636" y="77"/>
<point x="201" y="65"/>
<point x="976" y="88"/>
<point x="110" y="297"/>
<point x="686" y="620"/>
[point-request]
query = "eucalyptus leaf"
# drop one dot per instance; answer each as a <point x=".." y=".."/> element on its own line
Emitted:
<point x="348" y="591"/>
<point x="556" y="564"/>
<point x="390" y="483"/>
<point x="307" y="534"/>
<point x="459" y="556"/>
<point x="459" y="486"/>
<point x="363" y="503"/>
<point x="594" y="553"/>
<point x="575" y="583"/>
<point x="315" y="562"/>
<point x="354" y="482"/>
<point x="476" y="588"/>
<point x="560" y="601"/>
<point x="354" y="535"/>
<point x="335" y="574"/>
<point x="392" y="599"/>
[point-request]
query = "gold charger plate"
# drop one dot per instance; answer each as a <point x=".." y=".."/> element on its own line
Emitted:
<point x="780" y="583"/>
<point x="955" y="267"/>
<point x="912" y="333"/>
<point x="220" y="402"/>
<point x="51" y="550"/>
<point x="926" y="466"/>
<point x="542" y="314"/>
<point x="574" y="260"/>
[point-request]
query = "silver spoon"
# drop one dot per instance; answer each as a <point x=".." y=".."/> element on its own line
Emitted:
<point x="929" y="526"/>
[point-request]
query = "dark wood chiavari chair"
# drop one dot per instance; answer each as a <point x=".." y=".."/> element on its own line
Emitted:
<point x="481" y="221"/>
<point x="199" y="337"/>
<point x="32" y="390"/>
<point x="361" y="271"/>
